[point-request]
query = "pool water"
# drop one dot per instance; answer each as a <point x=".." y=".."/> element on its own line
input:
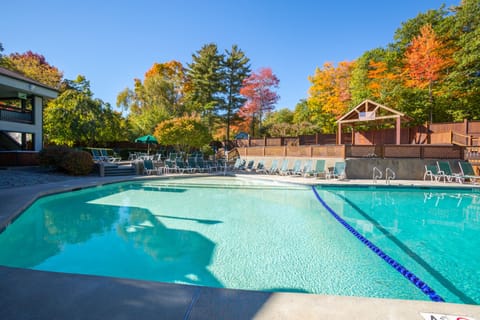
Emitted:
<point x="247" y="234"/>
<point x="432" y="232"/>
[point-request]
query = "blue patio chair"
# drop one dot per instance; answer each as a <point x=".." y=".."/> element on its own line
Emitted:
<point x="338" y="171"/>
<point x="319" y="169"/>
<point x="297" y="168"/>
<point x="261" y="167"/>
<point x="307" y="167"/>
<point x="284" y="168"/>
<point x="273" y="167"/>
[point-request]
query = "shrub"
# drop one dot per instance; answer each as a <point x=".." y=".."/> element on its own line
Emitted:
<point x="53" y="156"/>
<point x="78" y="163"/>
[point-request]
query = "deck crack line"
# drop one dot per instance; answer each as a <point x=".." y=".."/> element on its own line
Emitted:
<point x="194" y="300"/>
<point x="410" y="276"/>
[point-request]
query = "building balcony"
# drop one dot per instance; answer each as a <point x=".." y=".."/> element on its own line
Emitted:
<point x="13" y="114"/>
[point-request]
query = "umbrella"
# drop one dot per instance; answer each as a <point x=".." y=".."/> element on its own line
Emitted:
<point x="148" y="139"/>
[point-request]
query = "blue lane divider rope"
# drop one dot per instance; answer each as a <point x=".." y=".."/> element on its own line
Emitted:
<point x="392" y="262"/>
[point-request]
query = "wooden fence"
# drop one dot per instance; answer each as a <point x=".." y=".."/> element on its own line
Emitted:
<point x="461" y="133"/>
<point x="349" y="151"/>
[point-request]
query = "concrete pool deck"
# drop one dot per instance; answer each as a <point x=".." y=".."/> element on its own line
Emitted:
<point x="28" y="294"/>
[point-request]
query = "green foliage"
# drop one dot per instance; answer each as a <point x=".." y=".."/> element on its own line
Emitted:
<point x="159" y="97"/>
<point x="282" y="123"/>
<point x="75" y="118"/>
<point x="235" y="69"/>
<point x="396" y="76"/>
<point x="77" y="163"/>
<point x="205" y="87"/>
<point x="183" y="133"/>
<point x="207" y="150"/>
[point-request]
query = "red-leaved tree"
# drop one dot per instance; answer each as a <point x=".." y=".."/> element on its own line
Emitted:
<point x="258" y="90"/>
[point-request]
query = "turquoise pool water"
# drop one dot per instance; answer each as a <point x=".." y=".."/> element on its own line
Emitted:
<point x="246" y="234"/>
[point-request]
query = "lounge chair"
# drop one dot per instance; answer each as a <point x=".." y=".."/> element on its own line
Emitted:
<point x="338" y="171"/>
<point x="273" y="167"/>
<point x="169" y="166"/>
<point x="261" y="167"/>
<point x="307" y="167"/>
<point x="297" y="168"/>
<point x="108" y="157"/>
<point x="201" y="165"/>
<point x="149" y="168"/>
<point x="445" y="169"/>
<point x="182" y="166"/>
<point x="239" y="164"/>
<point x="97" y="156"/>
<point x="250" y="165"/>
<point x="284" y="168"/>
<point x="467" y="172"/>
<point x="432" y="171"/>
<point x="319" y="168"/>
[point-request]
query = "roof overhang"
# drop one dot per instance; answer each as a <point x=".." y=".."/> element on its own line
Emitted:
<point x="15" y="85"/>
<point x="370" y="111"/>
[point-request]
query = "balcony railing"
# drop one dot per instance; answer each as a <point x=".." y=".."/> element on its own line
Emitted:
<point x="16" y="115"/>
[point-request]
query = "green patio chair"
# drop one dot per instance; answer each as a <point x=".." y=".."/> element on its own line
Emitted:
<point x="149" y="168"/>
<point x="467" y="172"/>
<point x="432" y="171"/>
<point x="445" y="169"/>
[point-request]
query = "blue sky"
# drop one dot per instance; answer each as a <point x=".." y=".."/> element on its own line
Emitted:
<point x="113" y="42"/>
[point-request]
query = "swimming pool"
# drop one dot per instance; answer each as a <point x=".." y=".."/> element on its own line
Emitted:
<point x="238" y="233"/>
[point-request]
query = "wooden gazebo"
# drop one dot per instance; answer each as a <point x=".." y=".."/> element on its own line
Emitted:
<point x="370" y="111"/>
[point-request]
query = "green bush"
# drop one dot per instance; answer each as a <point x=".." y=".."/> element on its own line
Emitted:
<point x="53" y="156"/>
<point x="77" y="163"/>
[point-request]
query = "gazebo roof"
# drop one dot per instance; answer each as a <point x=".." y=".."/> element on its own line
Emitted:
<point x="369" y="110"/>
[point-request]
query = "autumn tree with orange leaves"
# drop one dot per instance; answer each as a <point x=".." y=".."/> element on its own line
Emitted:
<point x="330" y="94"/>
<point x="425" y="59"/>
<point x="35" y="66"/>
<point x="157" y="98"/>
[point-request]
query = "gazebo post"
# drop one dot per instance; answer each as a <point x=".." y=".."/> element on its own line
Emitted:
<point x="339" y="134"/>
<point x="397" y="127"/>
<point x="353" y="134"/>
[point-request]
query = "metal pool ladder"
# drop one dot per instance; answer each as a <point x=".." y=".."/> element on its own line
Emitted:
<point x="377" y="174"/>
<point x="389" y="175"/>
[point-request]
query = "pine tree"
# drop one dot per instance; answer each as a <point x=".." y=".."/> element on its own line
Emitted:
<point x="235" y="69"/>
<point x="204" y="88"/>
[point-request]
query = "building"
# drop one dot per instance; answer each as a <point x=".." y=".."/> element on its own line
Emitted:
<point x="21" y="109"/>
